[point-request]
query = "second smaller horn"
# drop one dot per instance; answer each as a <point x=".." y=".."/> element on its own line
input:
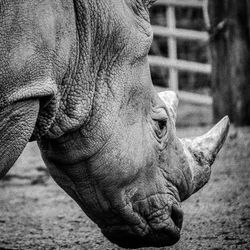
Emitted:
<point x="171" y="101"/>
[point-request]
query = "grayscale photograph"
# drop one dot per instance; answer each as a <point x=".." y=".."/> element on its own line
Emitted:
<point x="124" y="124"/>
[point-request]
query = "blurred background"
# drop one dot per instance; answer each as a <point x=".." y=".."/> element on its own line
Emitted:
<point x="181" y="28"/>
<point x="201" y="50"/>
<point x="180" y="57"/>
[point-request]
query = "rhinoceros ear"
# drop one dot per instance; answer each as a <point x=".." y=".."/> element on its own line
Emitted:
<point x="17" y="122"/>
<point x="171" y="101"/>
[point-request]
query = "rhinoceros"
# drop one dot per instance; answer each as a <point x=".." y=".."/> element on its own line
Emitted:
<point x="75" y="77"/>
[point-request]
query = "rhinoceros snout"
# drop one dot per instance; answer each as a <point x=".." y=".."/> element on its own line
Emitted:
<point x="163" y="237"/>
<point x="161" y="230"/>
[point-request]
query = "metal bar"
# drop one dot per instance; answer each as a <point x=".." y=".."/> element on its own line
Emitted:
<point x="180" y="33"/>
<point x="182" y="65"/>
<point x="172" y="48"/>
<point x="189" y="97"/>
<point x="181" y="3"/>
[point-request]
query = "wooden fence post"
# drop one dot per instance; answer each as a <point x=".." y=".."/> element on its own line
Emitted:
<point x="230" y="46"/>
<point x="172" y="48"/>
<point x="173" y="34"/>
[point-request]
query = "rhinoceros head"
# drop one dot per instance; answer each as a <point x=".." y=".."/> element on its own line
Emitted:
<point x="144" y="171"/>
<point x="125" y="166"/>
<point x="107" y="137"/>
<point x="133" y="185"/>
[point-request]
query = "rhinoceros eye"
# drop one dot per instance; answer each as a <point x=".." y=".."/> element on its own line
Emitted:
<point x="160" y="122"/>
<point x="161" y="128"/>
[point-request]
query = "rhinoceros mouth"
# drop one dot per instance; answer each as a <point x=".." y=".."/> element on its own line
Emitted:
<point x="158" y="229"/>
<point x="126" y="237"/>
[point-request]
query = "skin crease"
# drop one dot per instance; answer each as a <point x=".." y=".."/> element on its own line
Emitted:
<point x="106" y="136"/>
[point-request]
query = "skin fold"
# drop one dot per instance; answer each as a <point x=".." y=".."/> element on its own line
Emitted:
<point x="74" y="75"/>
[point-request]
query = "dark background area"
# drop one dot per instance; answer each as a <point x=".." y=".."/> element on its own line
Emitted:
<point x="198" y="51"/>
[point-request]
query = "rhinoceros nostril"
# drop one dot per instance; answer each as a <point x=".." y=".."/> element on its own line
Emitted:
<point x="177" y="216"/>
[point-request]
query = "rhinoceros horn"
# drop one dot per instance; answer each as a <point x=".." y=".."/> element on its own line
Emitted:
<point x="170" y="99"/>
<point x="202" y="152"/>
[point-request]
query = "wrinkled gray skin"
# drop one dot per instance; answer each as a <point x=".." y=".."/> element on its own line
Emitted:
<point x="74" y="75"/>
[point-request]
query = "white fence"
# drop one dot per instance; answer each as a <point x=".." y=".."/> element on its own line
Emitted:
<point x="172" y="62"/>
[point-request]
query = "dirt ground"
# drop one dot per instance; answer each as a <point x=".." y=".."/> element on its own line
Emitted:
<point x="36" y="214"/>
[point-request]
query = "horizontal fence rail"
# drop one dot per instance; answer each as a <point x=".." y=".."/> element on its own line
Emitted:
<point x="182" y="3"/>
<point x="183" y="65"/>
<point x="181" y="33"/>
<point x="172" y="62"/>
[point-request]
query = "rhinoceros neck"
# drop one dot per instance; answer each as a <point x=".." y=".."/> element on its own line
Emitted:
<point x="77" y="87"/>
<point x="78" y="91"/>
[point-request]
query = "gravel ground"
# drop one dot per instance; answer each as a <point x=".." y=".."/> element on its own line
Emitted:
<point x="36" y="214"/>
